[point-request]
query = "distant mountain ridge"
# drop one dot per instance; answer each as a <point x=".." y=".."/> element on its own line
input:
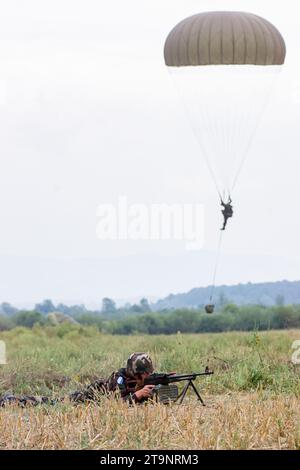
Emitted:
<point x="266" y="293"/>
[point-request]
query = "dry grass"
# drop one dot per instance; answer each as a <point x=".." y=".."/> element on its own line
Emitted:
<point x="237" y="421"/>
<point x="252" y="400"/>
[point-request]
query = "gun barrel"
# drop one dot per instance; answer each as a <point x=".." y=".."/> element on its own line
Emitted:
<point x="165" y="379"/>
<point x="192" y="376"/>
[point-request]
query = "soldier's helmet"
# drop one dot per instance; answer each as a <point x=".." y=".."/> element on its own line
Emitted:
<point x="138" y="363"/>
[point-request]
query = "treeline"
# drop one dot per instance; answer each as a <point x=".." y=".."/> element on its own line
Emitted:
<point x="229" y="318"/>
<point x="108" y="309"/>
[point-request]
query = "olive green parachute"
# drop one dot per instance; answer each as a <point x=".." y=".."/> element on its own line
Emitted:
<point x="224" y="38"/>
<point x="224" y="66"/>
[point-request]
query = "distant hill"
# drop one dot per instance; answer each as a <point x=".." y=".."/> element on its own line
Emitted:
<point x="267" y="293"/>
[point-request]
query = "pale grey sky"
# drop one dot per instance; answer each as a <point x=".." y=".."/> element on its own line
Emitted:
<point x="88" y="113"/>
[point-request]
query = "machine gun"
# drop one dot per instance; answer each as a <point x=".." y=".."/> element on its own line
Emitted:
<point x="165" y="389"/>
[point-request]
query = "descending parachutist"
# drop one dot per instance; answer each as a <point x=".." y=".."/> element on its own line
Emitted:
<point x="227" y="211"/>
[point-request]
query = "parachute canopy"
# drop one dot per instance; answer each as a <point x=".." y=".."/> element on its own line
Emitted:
<point x="224" y="38"/>
<point x="224" y="101"/>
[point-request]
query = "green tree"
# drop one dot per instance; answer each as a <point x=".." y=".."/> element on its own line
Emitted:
<point x="45" y="307"/>
<point x="108" y="305"/>
<point x="145" y="305"/>
<point x="5" y="323"/>
<point x="29" y="319"/>
<point x="136" y="308"/>
<point x="279" y="301"/>
<point x="7" y="309"/>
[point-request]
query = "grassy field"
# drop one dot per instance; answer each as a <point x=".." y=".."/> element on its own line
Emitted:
<point x="252" y="399"/>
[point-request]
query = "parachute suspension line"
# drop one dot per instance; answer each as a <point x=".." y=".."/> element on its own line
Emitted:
<point x="246" y="130"/>
<point x="258" y="112"/>
<point x="207" y="162"/>
<point x="212" y="176"/>
<point x="206" y="118"/>
<point x="214" y="131"/>
<point x="246" y="152"/>
<point x="241" y="140"/>
<point x="233" y="129"/>
<point x="216" y="268"/>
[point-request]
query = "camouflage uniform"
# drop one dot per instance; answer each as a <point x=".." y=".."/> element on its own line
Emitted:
<point x="26" y="400"/>
<point x="118" y="384"/>
<point x="227" y="211"/>
<point x="121" y="384"/>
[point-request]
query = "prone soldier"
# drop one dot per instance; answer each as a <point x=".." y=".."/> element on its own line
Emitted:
<point x="127" y="383"/>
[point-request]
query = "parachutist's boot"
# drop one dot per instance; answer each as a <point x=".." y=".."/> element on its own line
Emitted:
<point x="224" y="224"/>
